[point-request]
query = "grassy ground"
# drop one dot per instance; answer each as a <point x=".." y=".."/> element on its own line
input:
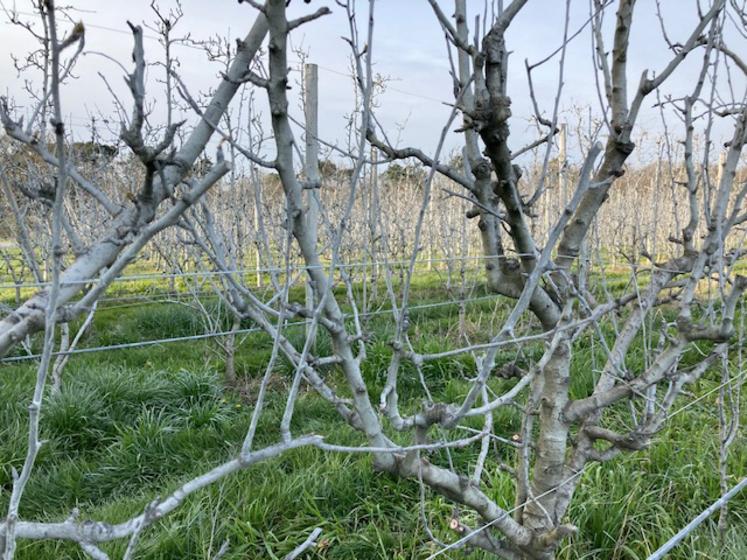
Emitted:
<point x="133" y="424"/>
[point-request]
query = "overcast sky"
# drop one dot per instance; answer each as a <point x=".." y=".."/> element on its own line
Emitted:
<point x="408" y="48"/>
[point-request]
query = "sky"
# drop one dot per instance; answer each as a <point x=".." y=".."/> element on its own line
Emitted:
<point x="408" y="49"/>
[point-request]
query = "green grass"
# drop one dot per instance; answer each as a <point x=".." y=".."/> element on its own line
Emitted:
<point x="134" y="424"/>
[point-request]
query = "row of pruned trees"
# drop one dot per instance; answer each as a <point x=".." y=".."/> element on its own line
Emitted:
<point x="538" y="231"/>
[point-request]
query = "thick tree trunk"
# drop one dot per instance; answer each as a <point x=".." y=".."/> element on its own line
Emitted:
<point x="542" y="514"/>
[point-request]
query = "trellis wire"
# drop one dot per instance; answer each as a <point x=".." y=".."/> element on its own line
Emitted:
<point x="139" y="344"/>
<point x="249" y="330"/>
<point x="157" y="296"/>
<point x="246" y="271"/>
<point x="705" y="395"/>
<point x="295" y="268"/>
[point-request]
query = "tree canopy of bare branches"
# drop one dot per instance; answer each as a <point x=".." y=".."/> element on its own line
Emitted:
<point x="228" y="188"/>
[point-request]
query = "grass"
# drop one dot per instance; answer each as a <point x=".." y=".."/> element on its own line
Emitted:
<point x="134" y="424"/>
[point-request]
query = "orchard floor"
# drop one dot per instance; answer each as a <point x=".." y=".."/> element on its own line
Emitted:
<point x="133" y="424"/>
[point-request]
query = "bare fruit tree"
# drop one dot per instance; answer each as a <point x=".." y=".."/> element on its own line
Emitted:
<point x="539" y="227"/>
<point x="560" y="435"/>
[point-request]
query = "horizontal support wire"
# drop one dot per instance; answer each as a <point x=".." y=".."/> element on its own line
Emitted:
<point x="295" y="268"/>
<point x="247" y="271"/>
<point x="249" y="330"/>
